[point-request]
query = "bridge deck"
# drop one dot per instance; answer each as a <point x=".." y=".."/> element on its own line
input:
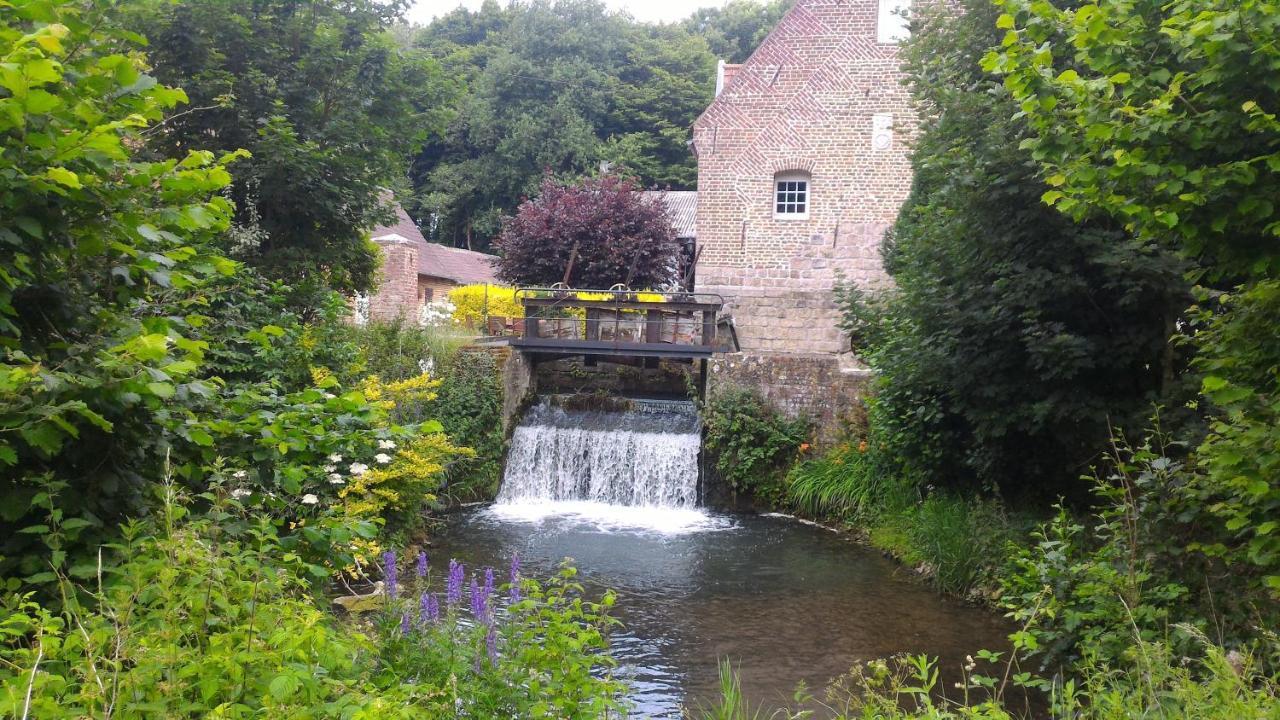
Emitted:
<point x="616" y="323"/>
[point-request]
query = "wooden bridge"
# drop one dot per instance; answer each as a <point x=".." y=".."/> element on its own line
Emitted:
<point x="567" y="321"/>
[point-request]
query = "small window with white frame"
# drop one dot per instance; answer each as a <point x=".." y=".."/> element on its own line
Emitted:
<point x="791" y="196"/>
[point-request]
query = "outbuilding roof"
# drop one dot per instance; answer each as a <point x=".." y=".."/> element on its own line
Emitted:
<point x="464" y="267"/>
<point x="682" y="206"/>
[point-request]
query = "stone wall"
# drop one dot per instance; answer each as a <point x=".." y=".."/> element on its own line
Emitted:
<point x="827" y="389"/>
<point x="397" y="292"/>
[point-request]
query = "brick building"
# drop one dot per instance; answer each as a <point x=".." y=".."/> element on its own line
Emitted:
<point x="802" y="166"/>
<point x="416" y="272"/>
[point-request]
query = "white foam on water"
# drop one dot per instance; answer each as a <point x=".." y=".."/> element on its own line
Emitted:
<point x="608" y="517"/>
<point x="800" y="520"/>
<point x="629" y="469"/>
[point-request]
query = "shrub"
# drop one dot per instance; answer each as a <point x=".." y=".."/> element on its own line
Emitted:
<point x="211" y="616"/>
<point x="468" y="405"/>
<point x="1156" y="682"/>
<point x="847" y="482"/>
<point x="606" y="229"/>
<point x="750" y="443"/>
<point x="100" y="253"/>
<point x="472" y="304"/>
<point x="535" y="650"/>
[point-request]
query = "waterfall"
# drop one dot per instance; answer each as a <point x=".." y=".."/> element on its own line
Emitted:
<point x="643" y="453"/>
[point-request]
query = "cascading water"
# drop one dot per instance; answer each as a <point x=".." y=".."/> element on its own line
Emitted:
<point x="644" y="455"/>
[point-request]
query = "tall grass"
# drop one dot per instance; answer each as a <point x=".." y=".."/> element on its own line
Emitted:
<point x="398" y="350"/>
<point x="1153" y="683"/>
<point x="844" y="483"/>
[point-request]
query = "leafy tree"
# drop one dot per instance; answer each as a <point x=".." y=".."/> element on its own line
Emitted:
<point x="1014" y="334"/>
<point x="101" y="252"/>
<point x="605" y="230"/>
<point x="668" y="79"/>
<point x="734" y="31"/>
<point x="329" y="107"/>
<point x="565" y="86"/>
<point x="1166" y="120"/>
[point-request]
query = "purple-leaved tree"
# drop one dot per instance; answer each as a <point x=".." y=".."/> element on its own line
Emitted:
<point x="603" y="232"/>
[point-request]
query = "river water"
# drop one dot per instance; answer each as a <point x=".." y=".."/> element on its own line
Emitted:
<point x="617" y="490"/>
<point x="785" y="602"/>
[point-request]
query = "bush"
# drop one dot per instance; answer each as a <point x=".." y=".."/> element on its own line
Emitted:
<point x="1158" y="682"/>
<point x="606" y="229"/>
<point x="472" y="304"/>
<point x="211" y="616"/>
<point x="535" y="650"/>
<point x="751" y="444"/>
<point x="846" y="482"/>
<point x="468" y="405"/>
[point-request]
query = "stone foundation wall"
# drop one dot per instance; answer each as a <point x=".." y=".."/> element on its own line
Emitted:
<point x="829" y="390"/>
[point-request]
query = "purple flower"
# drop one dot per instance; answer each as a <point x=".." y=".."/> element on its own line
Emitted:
<point x="422" y="565"/>
<point x="424" y="609"/>
<point x="453" y="589"/>
<point x="433" y="612"/>
<point x="478" y="602"/>
<point x="488" y="583"/>
<point x="389" y="572"/>
<point x="491" y="644"/>
<point x="515" y="578"/>
<point x="405" y="626"/>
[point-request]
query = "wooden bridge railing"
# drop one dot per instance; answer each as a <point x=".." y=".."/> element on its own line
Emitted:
<point x="616" y="322"/>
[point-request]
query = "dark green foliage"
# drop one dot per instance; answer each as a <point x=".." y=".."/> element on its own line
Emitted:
<point x="751" y="444"/>
<point x="735" y="30"/>
<point x="1013" y="335"/>
<point x="562" y="87"/>
<point x="1239" y="461"/>
<point x="469" y="406"/>
<point x="99" y="366"/>
<point x="329" y="107"/>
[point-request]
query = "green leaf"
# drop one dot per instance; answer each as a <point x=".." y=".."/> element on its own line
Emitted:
<point x="161" y="390"/>
<point x="63" y="176"/>
<point x="29" y="226"/>
<point x="1005" y="22"/>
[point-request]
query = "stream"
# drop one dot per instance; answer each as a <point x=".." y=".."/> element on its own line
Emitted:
<point x="784" y="601"/>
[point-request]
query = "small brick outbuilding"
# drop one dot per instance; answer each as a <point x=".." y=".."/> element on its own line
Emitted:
<point x="416" y="272"/>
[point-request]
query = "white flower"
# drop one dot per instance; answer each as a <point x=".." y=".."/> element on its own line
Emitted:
<point x="336" y="479"/>
<point x="387" y="444"/>
<point x="310" y="499"/>
<point x="329" y="396"/>
<point x="358" y="468"/>
<point x="240" y="493"/>
<point x="330" y="468"/>
<point x="382" y="458"/>
<point x="239" y="474"/>
<point x="335" y="458"/>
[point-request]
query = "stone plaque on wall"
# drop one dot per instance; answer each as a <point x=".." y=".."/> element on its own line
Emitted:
<point x="881" y="131"/>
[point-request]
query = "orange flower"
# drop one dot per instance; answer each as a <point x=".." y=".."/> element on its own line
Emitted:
<point x="804" y="447"/>
<point x="862" y="446"/>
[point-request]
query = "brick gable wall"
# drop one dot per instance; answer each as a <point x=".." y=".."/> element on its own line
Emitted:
<point x="807" y="100"/>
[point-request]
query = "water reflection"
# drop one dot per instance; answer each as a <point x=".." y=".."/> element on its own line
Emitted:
<point x="784" y="601"/>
